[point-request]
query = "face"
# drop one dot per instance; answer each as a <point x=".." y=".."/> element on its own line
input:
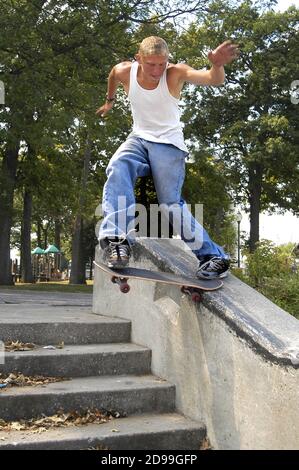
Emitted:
<point x="152" y="66"/>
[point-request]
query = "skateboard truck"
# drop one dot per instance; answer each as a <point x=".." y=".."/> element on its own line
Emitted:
<point x="195" y="294"/>
<point x="122" y="283"/>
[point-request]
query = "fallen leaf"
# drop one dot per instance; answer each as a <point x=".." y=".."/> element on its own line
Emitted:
<point x="61" y="419"/>
<point x="16" y="426"/>
<point x="11" y="346"/>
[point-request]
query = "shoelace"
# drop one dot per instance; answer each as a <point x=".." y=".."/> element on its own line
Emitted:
<point x="213" y="264"/>
<point x="117" y="248"/>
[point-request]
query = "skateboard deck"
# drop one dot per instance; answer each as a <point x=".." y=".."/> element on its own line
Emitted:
<point x="190" y="286"/>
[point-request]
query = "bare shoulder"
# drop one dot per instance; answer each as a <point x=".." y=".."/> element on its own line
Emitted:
<point x="122" y="70"/>
<point x="179" y="67"/>
<point x="179" y="72"/>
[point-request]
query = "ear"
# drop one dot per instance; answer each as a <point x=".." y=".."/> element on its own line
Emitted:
<point x="138" y="58"/>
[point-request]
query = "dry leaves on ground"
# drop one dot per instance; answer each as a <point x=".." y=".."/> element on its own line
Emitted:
<point x="61" y="419"/>
<point x="11" y="346"/>
<point x="20" y="380"/>
<point x="205" y="444"/>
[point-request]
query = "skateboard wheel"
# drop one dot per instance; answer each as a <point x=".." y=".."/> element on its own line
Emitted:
<point x="196" y="297"/>
<point x="124" y="288"/>
<point x="113" y="279"/>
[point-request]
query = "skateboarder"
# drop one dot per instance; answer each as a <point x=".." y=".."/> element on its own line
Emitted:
<point x="156" y="146"/>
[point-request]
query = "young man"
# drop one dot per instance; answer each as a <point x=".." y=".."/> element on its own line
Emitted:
<point x="156" y="146"/>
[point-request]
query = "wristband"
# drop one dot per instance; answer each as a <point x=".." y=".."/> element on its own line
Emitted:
<point x="109" y="100"/>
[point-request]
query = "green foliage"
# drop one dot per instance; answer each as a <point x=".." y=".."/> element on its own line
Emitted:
<point x="250" y="122"/>
<point x="273" y="271"/>
<point x="284" y="291"/>
<point x="268" y="260"/>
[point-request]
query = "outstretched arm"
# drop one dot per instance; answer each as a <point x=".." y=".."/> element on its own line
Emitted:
<point x="222" y="55"/>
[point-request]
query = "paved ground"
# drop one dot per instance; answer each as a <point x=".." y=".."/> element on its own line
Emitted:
<point x="47" y="298"/>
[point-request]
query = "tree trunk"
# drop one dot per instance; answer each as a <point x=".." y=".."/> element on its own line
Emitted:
<point x="27" y="274"/>
<point x="7" y="186"/>
<point x="78" y="263"/>
<point x="255" y="188"/>
<point x="78" y="259"/>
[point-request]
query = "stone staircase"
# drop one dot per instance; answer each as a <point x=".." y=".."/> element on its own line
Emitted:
<point x="106" y="372"/>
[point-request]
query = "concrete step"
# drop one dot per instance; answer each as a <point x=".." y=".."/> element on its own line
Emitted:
<point x="22" y="296"/>
<point x="107" y="373"/>
<point x="124" y="394"/>
<point x="78" y="361"/>
<point x="54" y="324"/>
<point x="168" y="431"/>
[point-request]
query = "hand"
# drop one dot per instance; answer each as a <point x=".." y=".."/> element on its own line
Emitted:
<point x="224" y="54"/>
<point x="103" y="110"/>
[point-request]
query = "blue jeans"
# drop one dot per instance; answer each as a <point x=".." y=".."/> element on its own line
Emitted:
<point x="166" y="163"/>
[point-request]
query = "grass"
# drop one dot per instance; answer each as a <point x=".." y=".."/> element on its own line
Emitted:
<point x="52" y="286"/>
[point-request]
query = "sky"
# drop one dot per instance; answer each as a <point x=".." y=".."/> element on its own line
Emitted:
<point x="278" y="228"/>
<point x="284" y="4"/>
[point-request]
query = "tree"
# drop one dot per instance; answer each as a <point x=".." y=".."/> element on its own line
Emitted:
<point x="55" y="56"/>
<point x="250" y="123"/>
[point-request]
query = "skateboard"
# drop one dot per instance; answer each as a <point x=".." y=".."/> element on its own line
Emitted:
<point x="192" y="287"/>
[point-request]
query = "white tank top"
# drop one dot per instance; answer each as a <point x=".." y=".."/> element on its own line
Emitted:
<point x="156" y="113"/>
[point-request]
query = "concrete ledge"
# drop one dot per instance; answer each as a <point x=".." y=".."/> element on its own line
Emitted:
<point x="270" y="330"/>
<point x="234" y="358"/>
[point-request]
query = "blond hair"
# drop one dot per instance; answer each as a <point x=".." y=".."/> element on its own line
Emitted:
<point x="153" y="45"/>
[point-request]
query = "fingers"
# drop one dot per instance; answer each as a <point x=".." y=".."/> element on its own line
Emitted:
<point x="101" y="112"/>
<point x="226" y="43"/>
<point x="232" y="48"/>
<point x="229" y="45"/>
<point x="104" y="110"/>
<point x="224" y="54"/>
<point x="235" y="51"/>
